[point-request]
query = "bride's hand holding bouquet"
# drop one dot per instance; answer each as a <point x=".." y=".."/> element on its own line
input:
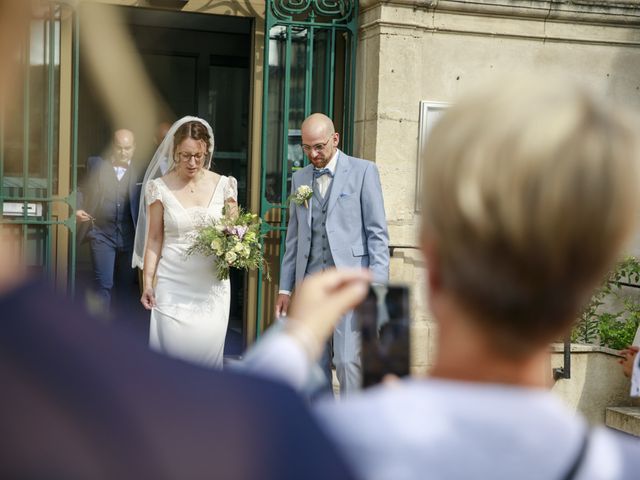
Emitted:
<point x="234" y="239"/>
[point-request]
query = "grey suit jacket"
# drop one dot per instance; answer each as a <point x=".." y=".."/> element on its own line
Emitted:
<point x="356" y="224"/>
<point x="92" y="193"/>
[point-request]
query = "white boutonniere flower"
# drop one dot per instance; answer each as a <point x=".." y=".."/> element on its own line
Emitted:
<point x="302" y="195"/>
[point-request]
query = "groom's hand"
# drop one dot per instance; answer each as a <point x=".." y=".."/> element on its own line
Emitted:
<point x="282" y="305"/>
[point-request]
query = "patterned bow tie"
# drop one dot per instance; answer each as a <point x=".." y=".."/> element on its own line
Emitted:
<point x="317" y="173"/>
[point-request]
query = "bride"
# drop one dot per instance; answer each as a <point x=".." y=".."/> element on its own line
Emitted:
<point x="189" y="305"/>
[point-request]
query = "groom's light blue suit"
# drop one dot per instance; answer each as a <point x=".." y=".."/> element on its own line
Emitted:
<point x="355" y="229"/>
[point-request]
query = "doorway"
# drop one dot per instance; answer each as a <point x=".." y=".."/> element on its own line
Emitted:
<point x="200" y="64"/>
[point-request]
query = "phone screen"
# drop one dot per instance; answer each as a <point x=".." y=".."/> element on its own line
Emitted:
<point x="383" y="318"/>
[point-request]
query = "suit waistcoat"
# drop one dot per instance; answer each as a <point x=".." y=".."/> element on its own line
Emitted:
<point x="113" y="219"/>
<point x="320" y="257"/>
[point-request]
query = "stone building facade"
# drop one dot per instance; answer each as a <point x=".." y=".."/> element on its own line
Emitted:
<point x="413" y="51"/>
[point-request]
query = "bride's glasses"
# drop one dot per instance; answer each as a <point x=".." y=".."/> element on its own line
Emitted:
<point x="186" y="156"/>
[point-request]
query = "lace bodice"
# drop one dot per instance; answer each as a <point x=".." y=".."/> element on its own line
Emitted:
<point x="180" y="223"/>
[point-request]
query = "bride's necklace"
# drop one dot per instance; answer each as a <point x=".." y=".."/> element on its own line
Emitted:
<point x="191" y="185"/>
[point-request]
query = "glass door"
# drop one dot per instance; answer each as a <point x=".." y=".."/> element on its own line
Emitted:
<point x="199" y="65"/>
<point x="309" y="67"/>
<point x="36" y="179"/>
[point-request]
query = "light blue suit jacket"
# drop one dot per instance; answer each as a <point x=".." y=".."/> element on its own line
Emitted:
<point x="356" y="224"/>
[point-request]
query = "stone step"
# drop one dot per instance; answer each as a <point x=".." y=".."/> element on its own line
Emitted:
<point x="625" y="419"/>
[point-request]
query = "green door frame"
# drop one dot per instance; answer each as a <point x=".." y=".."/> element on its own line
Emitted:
<point x="29" y="193"/>
<point x="333" y="18"/>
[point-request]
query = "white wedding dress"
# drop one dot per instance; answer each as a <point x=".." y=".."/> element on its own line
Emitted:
<point x="192" y="306"/>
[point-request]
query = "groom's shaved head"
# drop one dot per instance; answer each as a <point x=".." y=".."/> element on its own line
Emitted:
<point x="319" y="139"/>
<point x="318" y="123"/>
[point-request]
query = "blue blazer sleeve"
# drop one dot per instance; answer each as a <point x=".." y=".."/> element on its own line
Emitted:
<point x="375" y="224"/>
<point x="288" y="266"/>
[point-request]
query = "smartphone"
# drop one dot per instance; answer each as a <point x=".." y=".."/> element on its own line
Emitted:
<point x="383" y="318"/>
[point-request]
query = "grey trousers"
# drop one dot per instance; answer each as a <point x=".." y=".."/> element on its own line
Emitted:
<point x="345" y="347"/>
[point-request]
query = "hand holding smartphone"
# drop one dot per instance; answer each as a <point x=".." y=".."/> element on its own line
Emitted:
<point x="383" y="318"/>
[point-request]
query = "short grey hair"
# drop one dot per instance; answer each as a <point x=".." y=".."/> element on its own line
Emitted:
<point x="529" y="192"/>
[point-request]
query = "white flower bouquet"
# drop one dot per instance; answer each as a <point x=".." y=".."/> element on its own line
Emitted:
<point x="235" y="242"/>
<point x="301" y="195"/>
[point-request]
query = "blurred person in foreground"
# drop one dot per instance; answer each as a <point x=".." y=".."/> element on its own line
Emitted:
<point x="530" y="191"/>
<point x="82" y="400"/>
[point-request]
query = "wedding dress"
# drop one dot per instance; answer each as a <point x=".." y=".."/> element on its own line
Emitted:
<point x="192" y="306"/>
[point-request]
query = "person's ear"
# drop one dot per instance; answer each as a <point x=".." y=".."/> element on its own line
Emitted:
<point x="336" y="139"/>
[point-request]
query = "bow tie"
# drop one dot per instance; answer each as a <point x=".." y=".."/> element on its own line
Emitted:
<point x="317" y="173"/>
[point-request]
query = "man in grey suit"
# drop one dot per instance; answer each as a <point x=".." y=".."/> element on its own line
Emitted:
<point x="343" y="225"/>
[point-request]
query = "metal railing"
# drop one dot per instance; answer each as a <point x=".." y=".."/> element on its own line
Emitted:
<point x="393" y="248"/>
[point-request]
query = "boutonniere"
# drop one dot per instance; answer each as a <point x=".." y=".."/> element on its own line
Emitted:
<point x="301" y="195"/>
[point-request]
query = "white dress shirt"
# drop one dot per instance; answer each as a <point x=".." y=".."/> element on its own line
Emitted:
<point x="120" y="170"/>
<point x="324" y="181"/>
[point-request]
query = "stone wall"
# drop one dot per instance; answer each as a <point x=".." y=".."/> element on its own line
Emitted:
<point x="596" y="382"/>
<point x="415" y="50"/>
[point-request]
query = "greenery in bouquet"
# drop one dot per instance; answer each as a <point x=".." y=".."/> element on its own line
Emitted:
<point x="233" y="240"/>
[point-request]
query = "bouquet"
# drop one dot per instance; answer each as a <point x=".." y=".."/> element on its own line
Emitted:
<point x="301" y="196"/>
<point x="235" y="242"/>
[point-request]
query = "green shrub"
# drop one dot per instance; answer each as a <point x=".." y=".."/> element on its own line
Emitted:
<point x="612" y="324"/>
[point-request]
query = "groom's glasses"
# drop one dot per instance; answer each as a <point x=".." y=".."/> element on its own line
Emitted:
<point x="319" y="147"/>
<point x="186" y="156"/>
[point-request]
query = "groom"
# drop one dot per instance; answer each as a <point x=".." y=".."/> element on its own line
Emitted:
<point x="343" y="225"/>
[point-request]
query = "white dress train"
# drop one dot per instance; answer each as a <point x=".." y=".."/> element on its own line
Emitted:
<point x="192" y="306"/>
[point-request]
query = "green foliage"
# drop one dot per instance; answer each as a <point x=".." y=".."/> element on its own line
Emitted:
<point x="612" y="324"/>
<point x="234" y="241"/>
